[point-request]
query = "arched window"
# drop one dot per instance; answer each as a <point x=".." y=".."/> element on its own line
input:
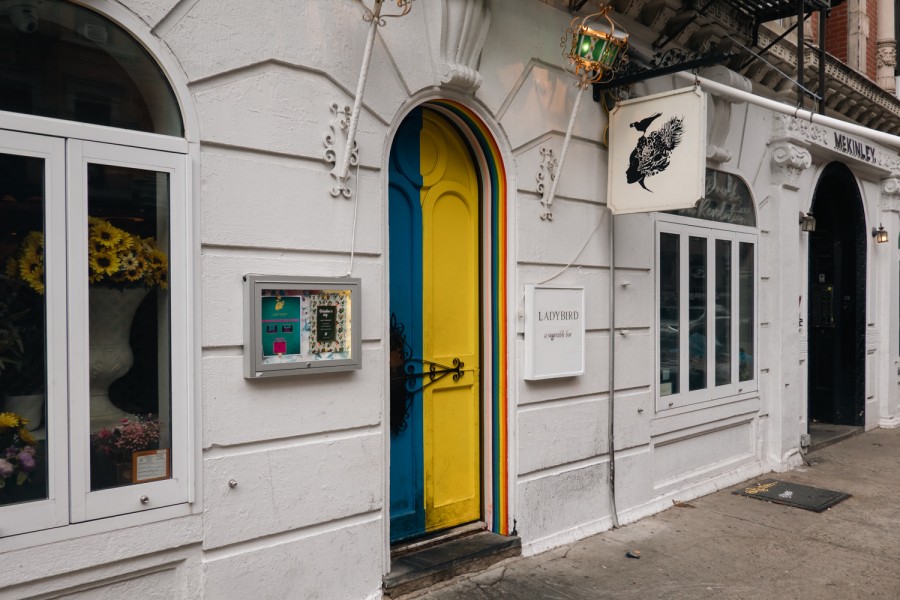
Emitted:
<point x="64" y="61"/>
<point x="706" y="269"/>
<point x="94" y="293"/>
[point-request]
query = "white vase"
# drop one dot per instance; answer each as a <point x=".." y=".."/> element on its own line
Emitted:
<point x="28" y="406"/>
<point x="111" y="314"/>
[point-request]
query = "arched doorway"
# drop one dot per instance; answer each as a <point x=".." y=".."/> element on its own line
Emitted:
<point x="837" y="301"/>
<point x="447" y="310"/>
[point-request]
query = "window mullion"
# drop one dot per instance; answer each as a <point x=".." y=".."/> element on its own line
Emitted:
<point x="79" y="353"/>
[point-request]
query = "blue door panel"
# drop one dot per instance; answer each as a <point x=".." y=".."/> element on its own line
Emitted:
<point x="407" y="502"/>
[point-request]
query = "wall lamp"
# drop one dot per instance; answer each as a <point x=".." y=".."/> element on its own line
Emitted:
<point x="594" y="48"/>
<point x="807" y="222"/>
<point x="333" y="142"/>
<point x="880" y="234"/>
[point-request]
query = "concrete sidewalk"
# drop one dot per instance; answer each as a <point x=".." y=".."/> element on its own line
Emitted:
<point x="729" y="546"/>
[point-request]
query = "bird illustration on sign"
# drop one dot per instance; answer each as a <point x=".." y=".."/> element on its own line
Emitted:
<point x="653" y="150"/>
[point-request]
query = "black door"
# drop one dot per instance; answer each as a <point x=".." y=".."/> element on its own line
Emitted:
<point x="837" y="280"/>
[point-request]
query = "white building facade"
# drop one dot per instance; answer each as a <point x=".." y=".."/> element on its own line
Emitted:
<point x="205" y="134"/>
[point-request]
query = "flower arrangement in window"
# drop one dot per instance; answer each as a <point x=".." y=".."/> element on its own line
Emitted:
<point x="115" y="258"/>
<point x="131" y="435"/>
<point x="17" y="450"/>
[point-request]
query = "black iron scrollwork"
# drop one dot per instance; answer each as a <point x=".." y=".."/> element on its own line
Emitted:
<point x="406" y="373"/>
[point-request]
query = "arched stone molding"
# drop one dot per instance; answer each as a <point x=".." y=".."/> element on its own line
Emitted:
<point x="464" y="27"/>
<point x="719" y="116"/>
<point x="788" y="162"/>
<point x="171" y="67"/>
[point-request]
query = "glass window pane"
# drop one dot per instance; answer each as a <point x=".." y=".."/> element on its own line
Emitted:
<point x="23" y="439"/>
<point x="723" y="312"/>
<point x="669" y="307"/>
<point x="745" y="313"/>
<point x="64" y="61"/>
<point x="128" y="325"/>
<point x="697" y="312"/>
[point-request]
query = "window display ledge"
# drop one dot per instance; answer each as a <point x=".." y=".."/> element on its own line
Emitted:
<point x="184" y="519"/>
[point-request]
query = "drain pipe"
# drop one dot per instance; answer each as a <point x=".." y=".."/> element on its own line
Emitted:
<point x="612" y="371"/>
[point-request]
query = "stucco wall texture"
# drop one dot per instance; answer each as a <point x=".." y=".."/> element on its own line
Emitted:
<point x="308" y="515"/>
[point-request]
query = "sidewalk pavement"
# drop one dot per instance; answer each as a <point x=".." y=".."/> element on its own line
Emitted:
<point x="729" y="546"/>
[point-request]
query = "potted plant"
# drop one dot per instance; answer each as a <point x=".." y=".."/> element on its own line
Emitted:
<point x="112" y="449"/>
<point x="21" y="348"/>
<point x="122" y="268"/>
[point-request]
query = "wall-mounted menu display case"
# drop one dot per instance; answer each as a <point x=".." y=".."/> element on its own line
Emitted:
<point x="300" y="325"/>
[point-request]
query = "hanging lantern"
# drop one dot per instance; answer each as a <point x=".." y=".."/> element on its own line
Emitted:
<point x="596" y="45"/>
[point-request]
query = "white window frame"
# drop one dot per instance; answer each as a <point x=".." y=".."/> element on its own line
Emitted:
<point x="54" y="510"/>
<point x="687" y="228"/>
<point x="68" y="147"/>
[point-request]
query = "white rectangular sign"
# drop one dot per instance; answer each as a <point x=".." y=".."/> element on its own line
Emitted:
<point x="554" y="331"/>
<point x="657" y="152"/>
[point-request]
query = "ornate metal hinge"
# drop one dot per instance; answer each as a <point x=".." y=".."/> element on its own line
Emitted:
<point x="406" y="373"/>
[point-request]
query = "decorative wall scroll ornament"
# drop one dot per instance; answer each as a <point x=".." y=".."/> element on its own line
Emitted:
<point x="546" y="172"/>
<point x="374" y="17"/>
<point x="464" y="27"/>
<point x="336" y="145"/>
<point x="653" y="151"/>
<point x="788" y="162"/>
<point x="785" y="126"/>
<point x="890" y="194"/>
<point x="594" y="48"/>
<point x="659" y="143"/>
<point x="720" y="112"/>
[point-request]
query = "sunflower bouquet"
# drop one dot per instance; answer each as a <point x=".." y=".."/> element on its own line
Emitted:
<point x="17" y="449"/>
<point x="115" y="257"/>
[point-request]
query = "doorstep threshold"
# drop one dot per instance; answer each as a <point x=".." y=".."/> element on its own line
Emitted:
<point x="422" y="567"/>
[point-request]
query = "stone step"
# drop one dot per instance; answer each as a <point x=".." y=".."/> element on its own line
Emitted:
<point x="424" y="567"/>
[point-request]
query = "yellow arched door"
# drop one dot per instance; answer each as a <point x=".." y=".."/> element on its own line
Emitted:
<point x="451" y="322"/>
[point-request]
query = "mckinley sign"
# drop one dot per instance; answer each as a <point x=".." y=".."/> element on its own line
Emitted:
<point x="554" y="331"/>
<point x="854" y="148"/>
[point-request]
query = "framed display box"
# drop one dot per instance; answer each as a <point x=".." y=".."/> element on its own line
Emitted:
<point x="300" y="325"/>
<point x="554" y="331"/>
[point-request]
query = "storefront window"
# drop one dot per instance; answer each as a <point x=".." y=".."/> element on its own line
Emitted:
<point x="130" y="433"/>
<point x="723" y="312"/>
<point x="94" y="269"/>
<point x="23" y="387"/>
<point x="746" y="346"/>
<point x="669" y="302"/>
<point x="713" y="338"/>
<point x="697" y="312"/>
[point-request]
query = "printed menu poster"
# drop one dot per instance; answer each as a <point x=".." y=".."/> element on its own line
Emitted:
<point x="330" y="331"/>
<point x="280" y="325"/>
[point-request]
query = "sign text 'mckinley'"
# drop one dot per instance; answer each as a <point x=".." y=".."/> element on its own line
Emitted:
<point x="558" y="315"/>
<point x="854" y="148"/>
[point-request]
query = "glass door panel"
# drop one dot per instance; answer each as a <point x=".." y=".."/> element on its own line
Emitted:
<point x="127" y="248"/>
<point x="128" y="433"/>
<point x="31" y="436"/>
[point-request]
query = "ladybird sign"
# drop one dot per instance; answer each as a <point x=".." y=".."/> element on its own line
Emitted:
<point x="657" y="152"/>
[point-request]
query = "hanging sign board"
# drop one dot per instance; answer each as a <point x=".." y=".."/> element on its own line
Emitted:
<point x="299" y="325"/>
<point x="554" y="331"/>
<point x="657" y="152"/>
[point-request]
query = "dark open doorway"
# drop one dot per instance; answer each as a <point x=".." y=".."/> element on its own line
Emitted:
<point x="837" y="301"/>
